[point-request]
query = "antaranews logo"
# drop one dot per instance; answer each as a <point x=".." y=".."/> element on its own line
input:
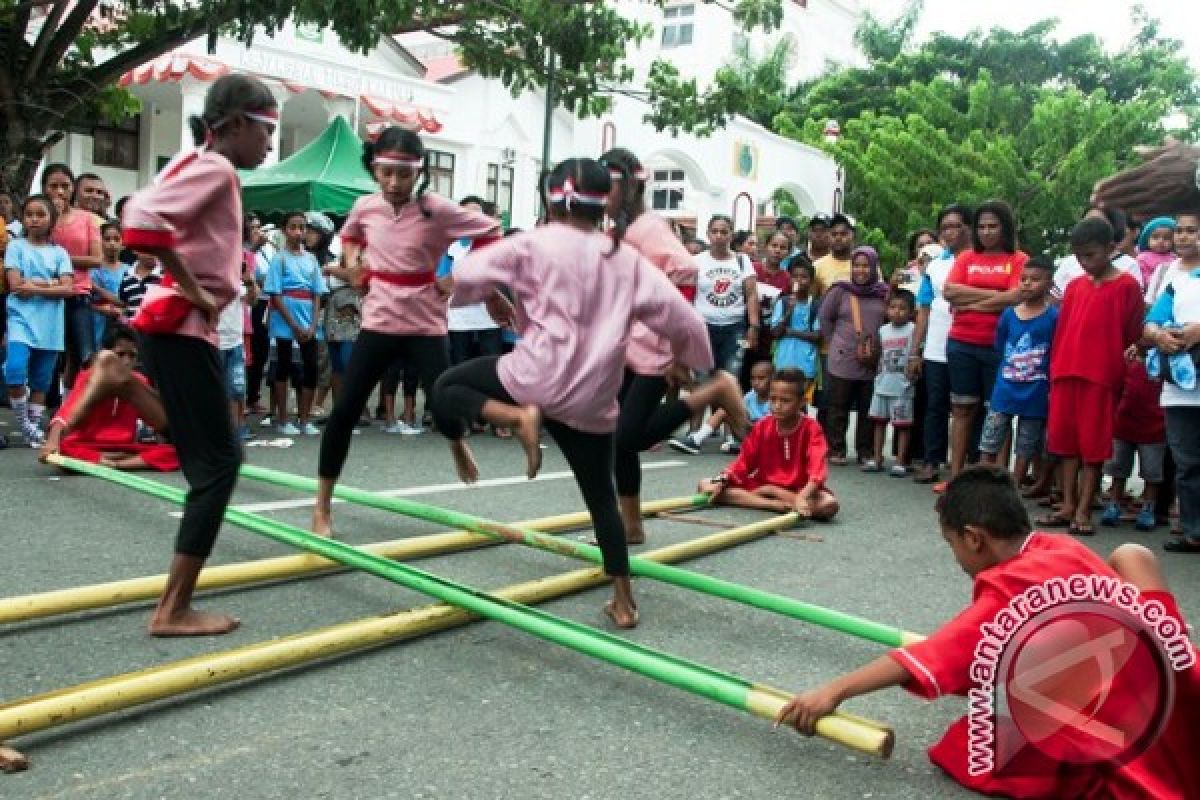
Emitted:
<point x="1081" y="668"/>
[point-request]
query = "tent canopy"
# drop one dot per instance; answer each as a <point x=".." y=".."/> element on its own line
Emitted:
<point x="325" y="175"/>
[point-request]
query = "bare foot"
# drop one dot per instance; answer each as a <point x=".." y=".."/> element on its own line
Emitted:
<point x="623" y="616"/>
<point x="635" y="534"/>
<point x="528" y="430"/>
<point x="464" y="462"/>
<point x="193" y="623"/>
<point x="322" y="522"/>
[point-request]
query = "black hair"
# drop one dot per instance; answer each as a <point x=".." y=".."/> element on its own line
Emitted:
<point x="588" y="176"/>
<point x="1091" y="230"/>
<point x="119" y="206"/>
<point x="291" y="215"/>
<point x="793" y="376"/>
<point x="1043" y="262"/>
<point x="775" y="233"/>
<point x="489" y="208"/>
<point x="740" y="238"/>
<point x="905" y="296"/>
<point x="719" y="218"/>
<point x="1008" y="225"/>
<point x="472" y="198"/>
<point x="403" y="141"/>
<point x="912" y="241"/>
<point x="118" y="333"/>
<point x="109" y="226"/>
<point x="513" y="231"/>
<point x="805" y="264"/>
<point x="1116" y="220"/>
<point x="763" y="363"/>
<point x="986" y="497"/>
<point x="631" y="194"/>
<point x="785" y="220"/>
<point x="696" y="240"/>
<point x="964" y="213"/>
<point x="229" y="96"/>
<point x="44" y="200"/>
<point x="55" y="168"/>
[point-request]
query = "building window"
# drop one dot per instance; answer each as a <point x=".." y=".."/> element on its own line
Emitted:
<point x="500" y="190"/>
<point x="668" y="190"/>
<point x="678" y="25"/>
<point x="116" y="145"/>
<point x="441" y="173"/>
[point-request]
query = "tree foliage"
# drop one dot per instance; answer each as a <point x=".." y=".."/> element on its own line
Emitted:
<point x="1019" y="116"/>
<point x="60" y="67"/>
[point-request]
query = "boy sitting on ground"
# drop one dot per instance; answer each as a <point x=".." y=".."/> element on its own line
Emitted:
<point x="988" y="530"/>
<point x="99" y="420"/>
<point x="782" y="463"/>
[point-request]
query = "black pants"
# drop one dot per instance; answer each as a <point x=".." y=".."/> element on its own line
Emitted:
<point x="308" y="362"/>
<point x="460" y="395"/>
<point x="395" y="375"/>
<point x="473" y="344"/>
<point x="846" y="396"/>
<point x="644" y="421"/>
<point x="187" y="372"/>
<point x="260" y="352"/>
<point x="373" y="353"/>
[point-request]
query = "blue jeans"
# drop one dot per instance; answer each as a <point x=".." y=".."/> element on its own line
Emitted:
<point x="726" y="342"/>
<point x="233" y="363"/>
<point x="25" y="365"/>
<point x="1183" y="435"/>
<point x="937" y="412"/>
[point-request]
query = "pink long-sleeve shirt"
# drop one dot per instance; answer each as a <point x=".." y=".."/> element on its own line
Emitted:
<point x="576" y="304"/>
<point x="195" y="208"/>
<point x="649" y="353"/>
<point x="407" y="242"/>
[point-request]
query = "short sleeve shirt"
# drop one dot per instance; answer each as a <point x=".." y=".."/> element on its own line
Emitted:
<point x="1023" y="382"/>
<point x="720" y="291"/>
<point x="36" y="321"/>
<point x="998" y="272"/>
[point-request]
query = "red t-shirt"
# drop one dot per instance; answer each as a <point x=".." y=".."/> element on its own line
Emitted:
<point x="999" y="272"/>
<point x="1096" y="325"/>
<point x="942" y="664"/>
<point x="789" y="462"/>
<point x="781" y="280"/>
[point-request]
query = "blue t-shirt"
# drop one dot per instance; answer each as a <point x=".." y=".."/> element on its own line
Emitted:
<point x="1023" y="381"/>
<point x="756" y="409"/>
<point x="793" y="352"/>
<point x="110" y="281"/>
<point x="36" y="321"/>
<point x="292" y="272"/>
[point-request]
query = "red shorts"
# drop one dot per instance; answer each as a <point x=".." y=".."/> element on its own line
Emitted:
<point x="1080" y="420"/>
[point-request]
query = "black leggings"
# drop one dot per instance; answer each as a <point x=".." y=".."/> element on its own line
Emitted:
<point x="373" y="353"/>
<point x="460" y="394"/>
<point x="260" y="352"/>
<point x="308" y="362"/>
<point x="191" y="383"/>
<point x="644" y="422"/>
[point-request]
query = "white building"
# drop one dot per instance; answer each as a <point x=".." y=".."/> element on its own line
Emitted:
<point x="484" y="140"/>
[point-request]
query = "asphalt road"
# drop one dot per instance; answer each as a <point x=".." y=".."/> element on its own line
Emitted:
<point x="481" y="711"/>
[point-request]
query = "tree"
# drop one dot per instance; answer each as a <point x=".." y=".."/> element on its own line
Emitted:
<point x="62" y="60"/>
<point x="1017" y="116"/>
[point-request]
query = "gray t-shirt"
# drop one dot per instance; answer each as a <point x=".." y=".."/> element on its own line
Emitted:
<point x="896" y="343"/>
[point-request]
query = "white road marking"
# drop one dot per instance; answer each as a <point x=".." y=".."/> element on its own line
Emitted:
<point x="436" y="488"/>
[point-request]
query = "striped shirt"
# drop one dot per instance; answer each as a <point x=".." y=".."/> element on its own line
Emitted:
<point x="133" y="289"/>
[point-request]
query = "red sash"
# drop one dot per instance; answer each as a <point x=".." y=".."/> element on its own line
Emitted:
<point x="298" y="294"/>
<point x="414" y="279"/>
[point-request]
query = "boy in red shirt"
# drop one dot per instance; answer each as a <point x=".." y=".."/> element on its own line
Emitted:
<point x="986" y="525"/>
<point x="782" y="463"/>
<point x="99" y="420"/>
<point x="1100" y="318"/>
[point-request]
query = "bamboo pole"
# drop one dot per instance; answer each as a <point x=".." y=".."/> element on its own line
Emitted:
<point x="787" y="606"/>
<point x="115" y="593"/>
<point x="725" y="688"/>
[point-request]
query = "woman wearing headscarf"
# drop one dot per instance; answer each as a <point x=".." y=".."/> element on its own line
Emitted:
<point x="850" y="316"/>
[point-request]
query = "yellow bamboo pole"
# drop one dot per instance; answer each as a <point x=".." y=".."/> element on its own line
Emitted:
<point x="116" y="593"/>
<point x="118" y="692"/>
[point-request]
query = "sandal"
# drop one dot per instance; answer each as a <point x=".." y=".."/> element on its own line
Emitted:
<point x="1054" y="520"/>
<point x="1181" y="545"/>
<point x="1081" y="529"/>
<point x="837" y="461"/>
<point x="926" y="474"/>
<point x="871" y="466"/>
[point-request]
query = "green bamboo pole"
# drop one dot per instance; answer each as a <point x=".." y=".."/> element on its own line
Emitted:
<point x="787" y="606"/>
<point x="725" y="688"/>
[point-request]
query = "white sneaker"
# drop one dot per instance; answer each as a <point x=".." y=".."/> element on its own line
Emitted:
<point x="288" y="429"/>
<point x="410" y="430"/>
<point x="265" y="422"/>
<point x="731" y="445"/>
<point x="308" y="429"/>
<point x="684" y="444"/>
<point x="396" y="427"/>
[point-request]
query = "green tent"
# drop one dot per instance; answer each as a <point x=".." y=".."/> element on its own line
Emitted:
<point x="325" y="175"/>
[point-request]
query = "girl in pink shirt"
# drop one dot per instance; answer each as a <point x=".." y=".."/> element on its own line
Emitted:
<point x="394" y="240"/>
<point x="78" y="232"/>
<point x="578" y="293"/>
<point x="650" y="370"/>
<point x="191" y="221"/>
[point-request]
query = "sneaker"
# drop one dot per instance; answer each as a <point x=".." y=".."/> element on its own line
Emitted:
<point x="308" y="429"/>
<point x="1111" y="516"/>
<point x="1145" y="520"/>
<point x="410" y="430"/>
<point x="871" y="466"/>
<point x="265" y="422"/>
<point x="288" y="429"/>
<point x="684" y="444"/>
<point x="395" y="427"/>
<point x="731" y="445"/>
<point x="898" y="471"/>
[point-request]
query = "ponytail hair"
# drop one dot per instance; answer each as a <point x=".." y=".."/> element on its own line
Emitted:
<point x="228" y="97"/>
<point x="399" y="140"/>
<point x="627" y="172"/>
<point x="578" y="189"/>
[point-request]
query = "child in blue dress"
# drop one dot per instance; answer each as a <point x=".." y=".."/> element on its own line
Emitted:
<point x="794" y="325"/>
<point x="39" y="278"/>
